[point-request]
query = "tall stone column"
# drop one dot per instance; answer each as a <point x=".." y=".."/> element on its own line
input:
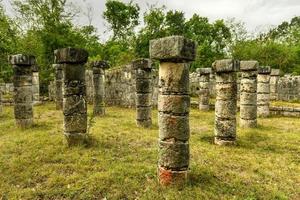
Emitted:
<point x="275" y="75"/>
<point x="204" y="95"/>
<point x="226" y="99"/>
<point x="1" y="107"/>
<point x="35" y="84"/>
<point x="22" y="67"/>
<point x="58" y="85"/>
<point x="248" y="94"/>
<point x="174" y="53"/>
<point x="74" y="94"/>
<point x="99" y="86"/>
<point x="263" y="91"/>
<point x="143" y="92"/>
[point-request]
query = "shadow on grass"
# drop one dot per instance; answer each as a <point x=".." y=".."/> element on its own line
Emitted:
<point x="207" y="138"/>
<point x="202" y="178"/>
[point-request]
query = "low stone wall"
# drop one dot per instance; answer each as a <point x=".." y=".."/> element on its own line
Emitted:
<point x="285" y="111"/>
<point x="289" y="88"/>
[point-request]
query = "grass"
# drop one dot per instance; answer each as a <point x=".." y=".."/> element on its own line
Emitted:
<point x="295" y="104"/>
<point x="120" y="163"/>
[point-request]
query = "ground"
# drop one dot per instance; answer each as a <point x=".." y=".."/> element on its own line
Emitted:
<point x="120" y="161"/>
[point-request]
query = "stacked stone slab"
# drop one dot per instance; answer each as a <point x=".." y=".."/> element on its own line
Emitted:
<point x="204" y="95"/>
<point x="74" y="94"/>
<point x="58" y="85"/>
<point x="263" y="91"/>
<point x="275" y="75"/>
<point x="248" y="94"/>
<point x="35" y="84"/>
<point x="174" y="53"/>
<point x="22" y="67"/>
<point x="99" y="86"/>
<point x="226" y="100"/>
<point x="143" y="84"/>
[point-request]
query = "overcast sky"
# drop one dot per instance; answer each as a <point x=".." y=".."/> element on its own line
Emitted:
<point x="256" y="14"/>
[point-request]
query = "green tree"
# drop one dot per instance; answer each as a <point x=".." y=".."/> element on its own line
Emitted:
<point x="122" y="18"/>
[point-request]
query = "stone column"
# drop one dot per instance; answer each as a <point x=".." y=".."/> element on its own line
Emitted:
<point x="35" y="84"/>
<point x="174" y="53"/>
<point x="74" y="94"/>
<point x="275" y="75"/>
<point x="99" y="86"/>
<point x="204" y="94"/>
<point x="226" y="99"/>
<point x="248" y="94"/>
<point x="263" y="91"/>
<point x="58" y="85"/>
<point x="143" y="92"/>
<point x="1" y="107"/>
<point x="22" y="67"/>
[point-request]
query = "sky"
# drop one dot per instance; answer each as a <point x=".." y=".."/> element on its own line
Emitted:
<point x="258" y="15"/>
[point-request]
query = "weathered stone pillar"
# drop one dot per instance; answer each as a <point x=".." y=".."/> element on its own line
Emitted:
<point x="143" y="92"/>
<point x="226" y="99"/>
<point x="58" y="85"/>
<point x="1" y="107"/>
<point x="99" y="86"/>
<point x="263" y="91"/>
<point x="275" y="75"/>
<point x="174" y="53"/>
<point x="22" y="67"/>
<point x="74" y="94"/>
<point x="204" y="94"/>
<point x="248" y="94"/>
<point x="35" y="84"/>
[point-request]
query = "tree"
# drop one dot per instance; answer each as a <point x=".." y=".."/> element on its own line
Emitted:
<point x="8" y="43"/>
<point x="122" y="18"/>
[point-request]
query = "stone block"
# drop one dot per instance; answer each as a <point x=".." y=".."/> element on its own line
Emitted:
<point x="142" y="64"/>
<point x="226" y="78"/>
<point x="100" y="64"/>
<point x="225" y="128"/>
<point x="176" y="104"/>
<point x="248" y="65"/>
<point x="173" y="49"/>
<point x="75" y="123"/>
<point x="143" y="99"/>
<point x="226" y="91"/>
<point x="248" y="85"/>
<point x="143" y="113"/>
<point x="173" y="78"/>
<point x="172" y="126"/>
<point x="248" y="112"/>
<point x="23" y="111"/>
<point x="263" y="78"/>
<point x="225" y="109"/>
<point x="204" y="71"/>
<point x="226" y="66"/>
<point x="21" y="59"/>
<point x="143" y="85"/>
<point x="70" y="55"/>
<point x="173" y="154"/>
<point x="248" y="98"/>
<point x="171" y="177"/>
<point x="264" y="70"/>
<point x="275" y="72"/>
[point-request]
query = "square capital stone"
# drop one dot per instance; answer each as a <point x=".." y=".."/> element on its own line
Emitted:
<point x="275" y="72"/>
<point x="21" y="59"/>
<point x="204" y="71"/>
<point x="100" y="64"/>
<point x="248" y="65"/>
<point x="226" y="65"/>
<point x="142" y="63"/>
<point x="264" y="69"/>
<point x="70" y="55"/>
<point x="173" y="48"/>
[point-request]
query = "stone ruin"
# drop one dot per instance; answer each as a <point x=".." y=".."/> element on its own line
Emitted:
<point x="143" y="90"/>
<point x="173" y="106"/>
<point x="226" y="100"/>
<point x="204" y="94"/>
<point x="263" y="91"/>
<point x="74" y="94"/>
<point x="23" y="95"/>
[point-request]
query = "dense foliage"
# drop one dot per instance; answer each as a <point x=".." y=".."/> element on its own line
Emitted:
<point x="41" y="26"/>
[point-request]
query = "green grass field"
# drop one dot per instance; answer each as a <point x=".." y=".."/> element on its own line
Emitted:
<point x="120" y="161"/>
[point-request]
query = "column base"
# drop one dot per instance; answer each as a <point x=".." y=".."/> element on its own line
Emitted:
<point x="224" y="141"/>
<point x="169" y="177"/>
<point x="24" y="123"/>
<point x="59" y="105"/>
<point x="247" y="123"/>
<point x="99" y="111"/>
<point x="203" y="107"/>
<point x="144" y="123"/>
<point x="76" y="139"/>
